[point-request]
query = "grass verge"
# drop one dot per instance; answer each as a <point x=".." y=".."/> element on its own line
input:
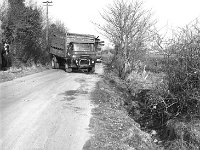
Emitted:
<point x="110" y="125"/>
<point x="13" y="72"/>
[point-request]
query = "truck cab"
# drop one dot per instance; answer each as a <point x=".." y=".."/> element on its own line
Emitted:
<point x="74" y="52"/>
<point x="82" y="56"/>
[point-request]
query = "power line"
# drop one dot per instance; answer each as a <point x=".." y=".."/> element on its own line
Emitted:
<point x="47" y="4"/>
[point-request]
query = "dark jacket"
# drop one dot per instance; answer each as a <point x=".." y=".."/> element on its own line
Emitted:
<point x="1" y="52"/>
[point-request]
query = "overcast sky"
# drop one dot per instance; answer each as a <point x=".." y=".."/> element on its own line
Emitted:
<point x="78" y="15"/>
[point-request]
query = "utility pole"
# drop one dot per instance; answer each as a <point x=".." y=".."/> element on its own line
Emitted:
<point x="47" y="4"/>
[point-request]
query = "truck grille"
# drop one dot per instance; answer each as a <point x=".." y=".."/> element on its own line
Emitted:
<point x="84" y="62"/>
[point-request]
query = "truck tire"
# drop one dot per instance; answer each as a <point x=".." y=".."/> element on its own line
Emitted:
<point x="67" y="69"/>
<point x="57" y="65"/>
<point x="91" y="69"/>
<point x="53" y="63"/>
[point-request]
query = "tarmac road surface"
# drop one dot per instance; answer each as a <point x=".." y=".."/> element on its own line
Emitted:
<point x="50" y="110"/>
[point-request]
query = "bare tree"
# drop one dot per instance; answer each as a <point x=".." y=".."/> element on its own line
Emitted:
<point x="128" y="26"/>
<point x="3" y="9"/>
<point x="58" y="27"/>
<point x="3" y="12"/>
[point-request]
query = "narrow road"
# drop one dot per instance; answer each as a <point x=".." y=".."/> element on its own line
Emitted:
<point x="50" y="110"/>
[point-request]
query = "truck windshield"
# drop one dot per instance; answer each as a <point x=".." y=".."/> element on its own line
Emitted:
<point x="83" y="47"/>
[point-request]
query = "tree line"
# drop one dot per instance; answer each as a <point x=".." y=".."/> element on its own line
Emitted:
<point x="23" y="27"/>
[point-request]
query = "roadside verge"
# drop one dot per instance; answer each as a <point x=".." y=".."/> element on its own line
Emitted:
<point x="14" y="73"/>
<point x="110" y="125"/>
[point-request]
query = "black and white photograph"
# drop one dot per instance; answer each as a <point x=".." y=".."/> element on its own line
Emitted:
<point x="100" y="74"/>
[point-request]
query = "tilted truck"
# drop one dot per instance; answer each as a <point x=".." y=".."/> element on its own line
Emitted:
<point x="74" y="51"/>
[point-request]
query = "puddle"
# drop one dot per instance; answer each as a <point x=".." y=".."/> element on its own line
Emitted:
<point x="80" y="80"/>
<point x="70" y="92"/>
<point x="74" y="108"/>
<point x="77" y="109"/>
<point x="70" y="98"/>
<point x="83" y="91"/>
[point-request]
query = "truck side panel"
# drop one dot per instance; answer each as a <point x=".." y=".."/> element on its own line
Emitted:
<point x="57" y="52"/>
<point x="58" y="46"/>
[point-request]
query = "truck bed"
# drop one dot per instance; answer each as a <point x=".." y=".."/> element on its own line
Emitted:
<point x="58" y="46"/>
<point x="59" y="42"/>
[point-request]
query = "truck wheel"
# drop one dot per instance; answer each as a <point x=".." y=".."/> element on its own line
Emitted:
<point x="57" y="66"/>
<point x="53" y="63"/>
<point x="67" y="69"/>
<point x="91" y="70"/>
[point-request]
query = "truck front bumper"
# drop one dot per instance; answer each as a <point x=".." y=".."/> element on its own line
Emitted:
<point x="82" y="63"/>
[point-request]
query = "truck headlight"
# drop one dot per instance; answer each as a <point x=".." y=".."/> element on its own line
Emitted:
<point x="92" y="61"/>
<point x="73" y="56"/>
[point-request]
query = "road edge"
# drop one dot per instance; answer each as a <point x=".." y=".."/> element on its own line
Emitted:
<point x="110" y="125"/>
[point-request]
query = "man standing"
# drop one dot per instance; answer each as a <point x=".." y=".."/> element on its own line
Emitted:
<point x="6" y="48"/>
<point x="6" y="56"/>
<point x="1" y="54"/>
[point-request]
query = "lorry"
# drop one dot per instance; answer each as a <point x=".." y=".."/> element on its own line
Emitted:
<point x="73" y="51"/>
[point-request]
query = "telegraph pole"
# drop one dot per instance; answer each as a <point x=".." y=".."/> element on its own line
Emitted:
<point x="47" y="4"/>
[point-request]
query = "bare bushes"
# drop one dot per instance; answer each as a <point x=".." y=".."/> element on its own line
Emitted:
<point x="169" y="102"/>
<point x="183" y="78"/>
<point x="172" y="107"/>
<point x="128" y="26"/>
<point x="184" y="75"/>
